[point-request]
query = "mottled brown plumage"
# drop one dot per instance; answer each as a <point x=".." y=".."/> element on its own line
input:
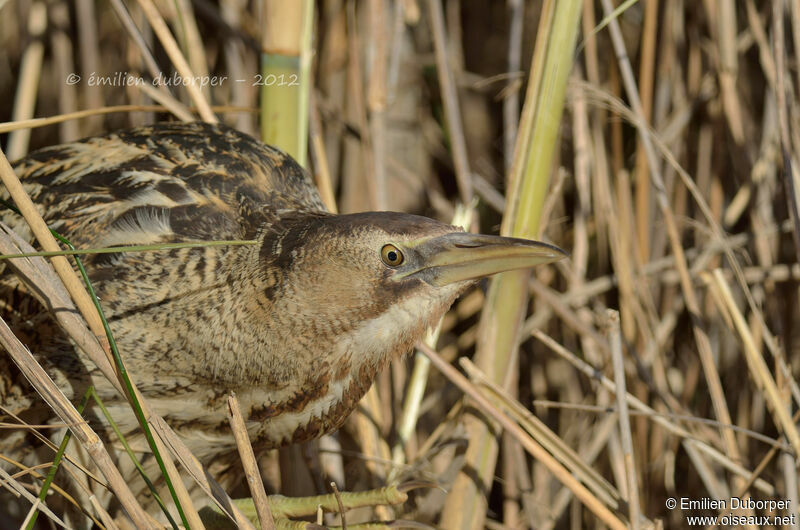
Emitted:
<point x="298" y="324"/>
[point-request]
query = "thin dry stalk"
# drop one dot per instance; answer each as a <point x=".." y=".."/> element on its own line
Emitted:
<point x="757" y="366"/>
<point x="723" y="13"/>
<point x="511" y="100"/>
<point x="108" y="522"/>
<point x="61" y="45"/>
<point x="692" y="304"/>
<point x="646" y="70"/>
<point x="89" y="48"/>
<point x="593" y="373"/>
<point x="544" y="436"/>
<point x="185" y="25"/>
<point x="251" y="470"/>
<point x="66" y="411"/>
<point x="30" y="71"/>
<point x="178" y="60"/>
<point x="452" y="111"/>
<point x="48" y="243"/>
<point x="360" y="166"/>
<point x="19" y="490"/>
<point x="536" y="450"/>
<point x="319" y="158"/>
<point x="376" y="97"/>
<point x="182" y="494"/>
<point x="615" y="340"/>
<point x="158" y="93"/>
<point x="133" y="32"/>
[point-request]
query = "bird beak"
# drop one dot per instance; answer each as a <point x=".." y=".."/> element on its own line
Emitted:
<point x="460" y="256"/>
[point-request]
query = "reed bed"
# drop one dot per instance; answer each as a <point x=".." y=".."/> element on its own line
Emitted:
<point x="656" y="141"/>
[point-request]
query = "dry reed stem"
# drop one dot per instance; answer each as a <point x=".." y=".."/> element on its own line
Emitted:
<point x="41" y="279"/>
<point x="46" y="388"/>
<point x="200" y="475"/>
<point x="30" y="71"/>
<point x="62" y="50"/>
<point x="646" y="73"/>
<point x="376" y="97"/>
<point x="181" y="492"/>
<point x="108" y="522"/>
<point x="536" y="450"/>
<point x="19" y="490"/>
<point x="89" y="49"/>
<point x="158" y="93"/>
<point x="701" y="338"/>
<point x="452" y="112"/>
<point x="60" y="118"/>
<point x="599" y="439"/>
<point x="724" y="17"/>
<point x="357" y="113"/>
<point x="251" y="471"/>
<point x="185" y="26"/>
<point x="615" y="340"/>
<point x="511" y="100"/>
<point x="178" y="60"/>
<point x="690" y="439"/>
<point x="549" y="440"/>
<point x="789" y="135"/>
<point x="60" y="263"/>
<point x="758" y="367"/>
<point x="319" y="157"/>
<point x="238" y="66"/>
<point x="133" y="32"/>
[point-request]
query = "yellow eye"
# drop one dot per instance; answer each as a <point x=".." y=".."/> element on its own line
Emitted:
<point x="391" y="255"/>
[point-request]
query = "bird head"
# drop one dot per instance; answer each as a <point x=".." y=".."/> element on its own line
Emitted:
<point x="366" y="286"/>
<point x="341" y="295"/>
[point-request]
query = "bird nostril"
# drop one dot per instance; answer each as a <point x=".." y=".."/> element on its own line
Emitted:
<point x="463" y="245"/>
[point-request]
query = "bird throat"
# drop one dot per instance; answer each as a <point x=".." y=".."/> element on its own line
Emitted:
<point x="338" y="380"/>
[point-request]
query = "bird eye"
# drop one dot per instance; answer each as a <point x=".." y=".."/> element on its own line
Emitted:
<point x="391" y="255"/>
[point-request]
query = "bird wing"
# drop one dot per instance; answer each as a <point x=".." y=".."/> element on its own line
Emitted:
<point x="167" y="182"/>
<point x="164" y="183"/>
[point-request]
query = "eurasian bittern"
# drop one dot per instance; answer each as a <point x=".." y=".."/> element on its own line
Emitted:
<point x="297" y="324"/>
